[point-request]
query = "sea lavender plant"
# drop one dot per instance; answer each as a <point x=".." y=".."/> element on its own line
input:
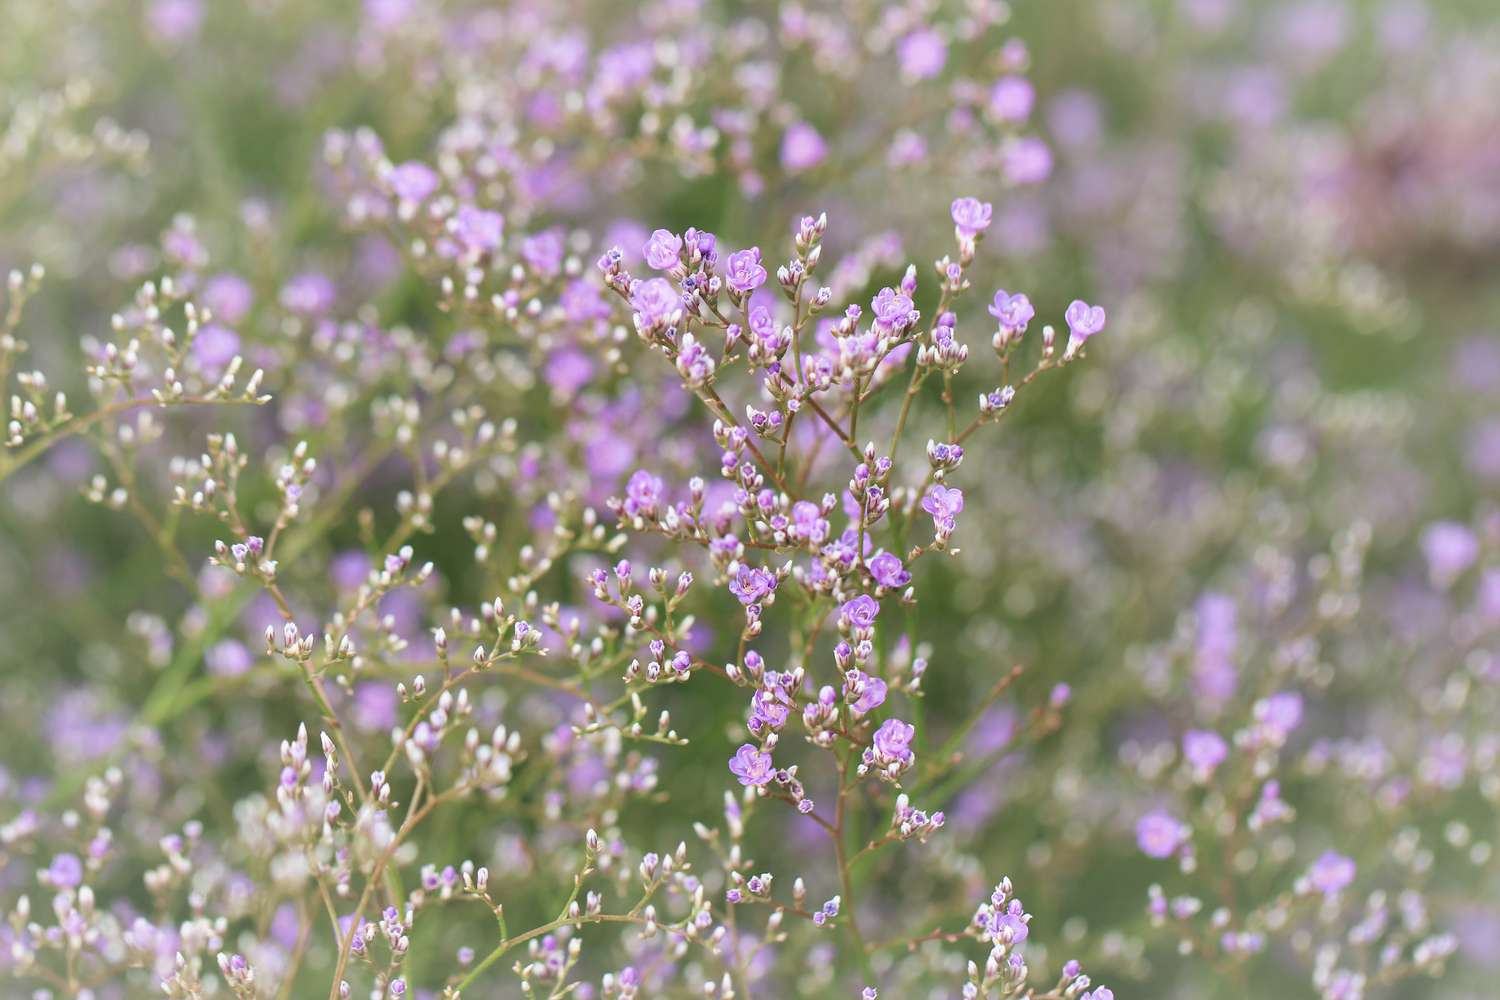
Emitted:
<point x="509" y="541"/>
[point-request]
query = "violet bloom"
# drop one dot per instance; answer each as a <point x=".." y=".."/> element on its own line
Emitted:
<point x="1084" y="321"/>
<point x="1450" y="548"/>
<point x="215" y="346"/>
<point x="752" y="584"/>
<point x="1331" y="874"/>
<point x="228" y="298"/>
<point x="544" y="251"/>
<point x="861" y="611"/>
<point x="1012" y="98"/>
<point x="743" y="271"/>
<point x="655" y="302"/>
<point x="1028" y="160"/>
<point x="228" y="658"/>
<point x="922" y="54"/>
<point x="663" y="250"/>
<point x="944" y="504"/>
<point x="1012" y="919"/>
<point x="309" y="293"/>
<point x="174" y="21"/>
<point x="643" y="494"/>
<point x="768" y="709"/>
<point x="1159" y="834"/>
<point x="893" y="741"/>
<point x="1013" y="312"/>
<point x="1279" y="714"/>
<point x="1214" y="678"/>
<point x="753" y="767"/>
<point x="1204" y="750"/>
<point x="873" y="695"/>
<point x="802" y="148"/>
<point x="65" y="872"/>
<point x="888" y="571"/>
<point x="971" y="216"/>
<point x="478" y="230"/>
<point x="892" y="309"/>
<point x="414" y="181"/>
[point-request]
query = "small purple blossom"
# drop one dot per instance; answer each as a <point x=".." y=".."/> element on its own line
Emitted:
<point x="1012" y="312"/>
<point x="1331" y="874"/>
<point x="872" y="696"/>
<point x="944" y="504"/>
<point x="655" y="302"/>
<point x="971" y="216"/>
<point x="413" y="181"/>
<point x="752" y="584"/>
<point x="1450" y="548"/>
<point x="887" y="570"/>
<point x="743" y="271"/>
<point x="478" y="230"/>
<point x="922" y="54"/>
<point x="892" y="741"/>
<point x="1159" y="834"/>
<point x="1204" y="750"/>
<point x="802" y="148"/>
<point x="1083" y="321"/>
<point x="663" y="250"/>
<point x="860" y="612"/>
<point x="752" y="766"/>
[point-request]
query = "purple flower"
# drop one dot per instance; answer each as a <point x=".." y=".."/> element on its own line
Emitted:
<point x="66" y="871"/>
<point x="743" y="271"/>
<point x="944" y="504"/>
<point x="694" y="361"/>
<point x="971" y="216"/>
<point x="752" y="583"/>
<point x="1331" y="874"/>
<point x="922" y="54"/>
<point x="655" y="302"/>
<point x="643" y="494"/>
<point x="892" y="742"/>
<point x="1012" y="98"/>
<point x="228" y="297"/>
<point x="478" y="230"/>
<point x="413" y="181"/>
<point x="663" y="250"/>
<point x="752" y="766"/>
<point x="309" y="293"/>
<point x="544" y="251"/>
<point x="1013" y="312"/>
<point x="872" y="696"/>
<point x="1028" y="160"/>
<point x="215" y="346"/>
<point x="1204" y="750"/>
<point x="1084" y="321"/>
<point x="768" y="709"/>
<point x="1279" y="714"/>
<point x="228" y="658"/>
<point x="861" y="611"/>
<point x="892" y="309"/>
<point x="1159" y="834"/>
<point x="802" y="148"/>
<point x="1450" y="548"/>
<point x="887" y="570"/>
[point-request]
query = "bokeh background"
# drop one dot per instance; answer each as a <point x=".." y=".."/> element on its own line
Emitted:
<point x="1290" y="208"/>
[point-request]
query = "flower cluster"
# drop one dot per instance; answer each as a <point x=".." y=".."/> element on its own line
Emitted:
<point x="480" y="527"/>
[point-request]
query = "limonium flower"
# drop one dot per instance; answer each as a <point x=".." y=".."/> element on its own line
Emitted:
<point x="662" y="250"/>
<point x="751" y="766"/>
<point x="1159" y="834"/>
<point x="971" y="216"/>
<point x="743" y="271"/>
